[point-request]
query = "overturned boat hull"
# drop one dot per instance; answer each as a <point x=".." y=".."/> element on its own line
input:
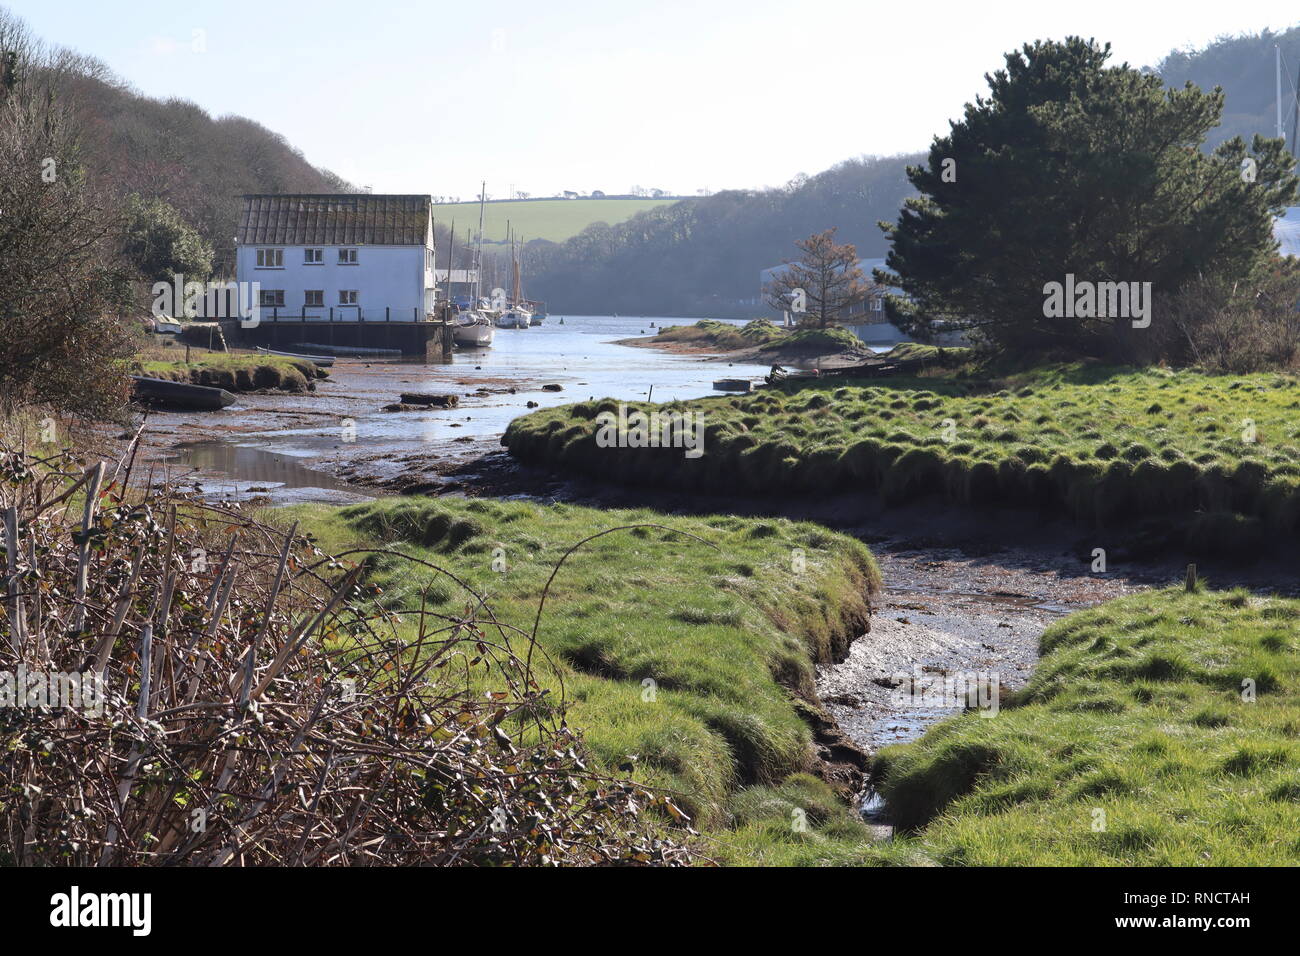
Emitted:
<point x="182" y="396"/>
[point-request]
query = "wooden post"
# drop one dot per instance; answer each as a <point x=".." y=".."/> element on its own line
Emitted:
<point x="1191" y="578"/>
<point x="14" y="588"/>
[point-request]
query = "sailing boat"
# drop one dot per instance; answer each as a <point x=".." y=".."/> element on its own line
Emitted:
<point x="470" y="328"/>
<point x="517" y="315"/>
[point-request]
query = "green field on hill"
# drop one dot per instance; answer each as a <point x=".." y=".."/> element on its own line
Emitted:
<point x="553" y="219"/>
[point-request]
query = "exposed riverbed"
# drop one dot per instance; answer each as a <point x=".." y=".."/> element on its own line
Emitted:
<point x="966" y="593"/>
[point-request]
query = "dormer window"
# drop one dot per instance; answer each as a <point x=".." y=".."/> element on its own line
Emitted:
<point x="347" y="257"/>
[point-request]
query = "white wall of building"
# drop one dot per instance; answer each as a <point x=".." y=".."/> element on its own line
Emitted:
<point x="399" y="278"/>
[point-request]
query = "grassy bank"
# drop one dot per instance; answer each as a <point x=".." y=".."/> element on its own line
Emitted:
<point x="693" y="662"/>
<point x="1132" y="745"/>
<point x="1096" y="443"/>
<point x="718" y="336"/>
<point x="234" y="372"/>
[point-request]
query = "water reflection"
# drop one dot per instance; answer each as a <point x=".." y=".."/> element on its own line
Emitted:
<point x="253" y="465"/>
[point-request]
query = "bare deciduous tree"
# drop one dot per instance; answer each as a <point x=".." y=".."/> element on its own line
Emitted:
<point x="822" y="285"/>
<point x="61" y="346"/>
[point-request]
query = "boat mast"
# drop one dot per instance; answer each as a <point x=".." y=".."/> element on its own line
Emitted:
<point x="451" y="242"/>
<point x="1277" y="50"/>
<point x="514" y="267"/>
<point x="478" y="246"/>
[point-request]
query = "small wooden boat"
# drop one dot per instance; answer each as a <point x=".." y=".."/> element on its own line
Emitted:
<point x="324" y="361"/>
<point x="732" y="385"/>
<point x="780" y="374"/>
<point x="166" y="325"/>
<point x="161" y="393"/>
<point x="355" y="351"/>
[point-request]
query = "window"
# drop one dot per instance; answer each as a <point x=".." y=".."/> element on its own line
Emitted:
<point x="347" y="296"/>
<point x="314" y="297"/>
<point x="313" y="257"/>
<point x="270" y="258"/>
<point x="272" y="299"/>
<point x="347" y="257"/>
<point x="877" y="304"/>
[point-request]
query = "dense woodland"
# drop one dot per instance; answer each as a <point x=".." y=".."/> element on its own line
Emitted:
<point x="175" y="151"/>
<point x="703" y="256"/>
<point x="1244" y="67"/>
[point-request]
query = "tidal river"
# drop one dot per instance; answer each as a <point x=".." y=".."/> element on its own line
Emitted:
<point x="302" y="448"/>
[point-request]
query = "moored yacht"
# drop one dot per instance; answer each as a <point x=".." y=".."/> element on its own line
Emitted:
<point x="515" y="317"/>
<point x="472" y="329"/>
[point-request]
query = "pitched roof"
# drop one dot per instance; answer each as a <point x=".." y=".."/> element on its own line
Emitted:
<point x="335" y="219"/>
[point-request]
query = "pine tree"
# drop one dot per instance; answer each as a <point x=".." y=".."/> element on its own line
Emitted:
<point x="1074" y="167"/>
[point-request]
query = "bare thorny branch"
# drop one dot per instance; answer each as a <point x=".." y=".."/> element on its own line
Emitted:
<point x="266" y="708"/>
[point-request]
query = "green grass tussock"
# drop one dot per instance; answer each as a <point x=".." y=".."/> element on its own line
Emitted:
<point x="723" y="336"/>
<point x="1099" y="444"/>
<point x="834" y="337"/>
<point x="695" y="662"/>
<point x="1161" y="729"/>
<point x="238" y="373"/>
<point x="766" y="335"/>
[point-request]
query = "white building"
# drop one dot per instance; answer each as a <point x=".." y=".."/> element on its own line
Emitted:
<point x="342" y="257"/>
<point x="1286" y="230"/>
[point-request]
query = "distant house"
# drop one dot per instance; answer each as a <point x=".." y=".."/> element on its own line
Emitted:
<point x="344" y="257"/>
<point x="872" y="310"/>
<point x="1286" y="230"/>
<point x="463" y="283"/>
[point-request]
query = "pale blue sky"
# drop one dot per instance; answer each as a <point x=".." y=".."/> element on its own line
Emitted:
<point x="599" y="94"/>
